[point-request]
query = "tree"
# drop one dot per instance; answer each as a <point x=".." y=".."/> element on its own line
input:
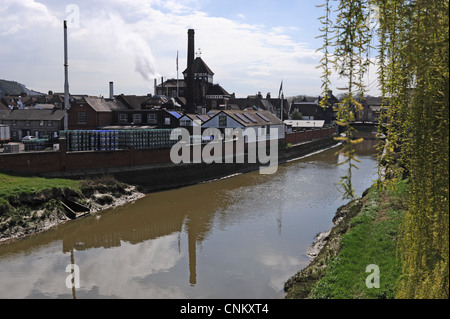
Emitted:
<point x="296" y="115"/>
<point x="413" y="72"/>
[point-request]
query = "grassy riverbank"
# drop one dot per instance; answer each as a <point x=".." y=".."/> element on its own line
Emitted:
<point x="365" y="233"/>
<point x="16" y="185"/>
<point x="30" y="205"/>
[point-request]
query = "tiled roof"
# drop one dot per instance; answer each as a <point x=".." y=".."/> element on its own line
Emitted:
<point x="132" y="101"/>
<point x="199" y="66"/>
<point x="216" y="89"/>
<point x="172" y="83"/>
<point x="102" y="105"/>
<point x="198" y="118"/>
<point x="32" y="115"/>
<point x="252" y="118"/>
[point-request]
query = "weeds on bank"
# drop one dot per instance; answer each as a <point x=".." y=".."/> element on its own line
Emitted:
<point x="371" y="240"/>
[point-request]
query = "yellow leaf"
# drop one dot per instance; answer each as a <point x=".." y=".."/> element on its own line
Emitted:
<point x="360" y="140"/>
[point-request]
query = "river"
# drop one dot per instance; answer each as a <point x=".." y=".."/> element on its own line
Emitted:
<point x="241" y="237"/>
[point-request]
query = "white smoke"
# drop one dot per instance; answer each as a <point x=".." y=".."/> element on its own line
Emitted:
<point x="141" y="54"/>
<point x="120" y="39"/>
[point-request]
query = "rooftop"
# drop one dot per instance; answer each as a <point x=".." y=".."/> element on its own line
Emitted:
<point x="32" y="115"/>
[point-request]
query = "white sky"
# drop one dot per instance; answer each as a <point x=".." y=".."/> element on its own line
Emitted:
<point x="251" y="45"/>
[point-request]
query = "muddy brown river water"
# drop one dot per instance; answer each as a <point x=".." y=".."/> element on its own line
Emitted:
<point x="239" y="237"/>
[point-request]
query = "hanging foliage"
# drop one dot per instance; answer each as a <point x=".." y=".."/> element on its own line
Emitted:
<point x="350" y="38"/>
<point x="413" y="60"/>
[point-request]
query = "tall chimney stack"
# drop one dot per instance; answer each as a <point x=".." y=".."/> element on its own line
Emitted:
<point x="190" y="78"/>
<point x="66" y="81"/>
<point x="111" y="90"/>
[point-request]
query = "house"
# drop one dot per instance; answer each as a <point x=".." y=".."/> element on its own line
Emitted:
<point x="203" y="79"/>
<point x="131" y="102"/>
<point x="17" y="102"/>
<point x="157" y="111"/>
<point x="207" y="95"/>
<point x="91" y="113"/>
<point x="216" y="98"/>
<point x="189" y="121"/>
<point x="257" y="102"/>
<point x="196" y="92"/>
<point x="263" y="123"/>
<point x="372" y="107"/>
<point x="172" y="88"/>
<point x="40" y="123"/>
<point x="311" y="110"/>
<point x="194" y="120"/>
<point x="123" y="111"/>
<point x="296" y="125"/>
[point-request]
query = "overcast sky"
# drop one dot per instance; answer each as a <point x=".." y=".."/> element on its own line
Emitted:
<point x="250" y="45"/>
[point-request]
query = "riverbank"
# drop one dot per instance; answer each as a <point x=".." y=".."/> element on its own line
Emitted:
<point x="365" y="233"/>
<point x="30" y="205"/>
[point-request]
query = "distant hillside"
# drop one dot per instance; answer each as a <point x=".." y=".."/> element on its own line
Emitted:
<point x="14" y="88"/>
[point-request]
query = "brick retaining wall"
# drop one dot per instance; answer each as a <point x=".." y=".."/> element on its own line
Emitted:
<point x="62" y="161"/>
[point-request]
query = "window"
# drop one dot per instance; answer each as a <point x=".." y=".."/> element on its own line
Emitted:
<point x="41" y="123"/>
<point x="123" y="118"/>
<point x="14" y="123"/>
<point x="222" y="121"/>
<point x="185" y="123"/>
<point x="27" y="123"/>
<point x="49" y="123"/>
<point x="167" y="121"/>
<point x="81" y="118"/>
<point x="152" y="119"/>
<point x="137" y="118"/>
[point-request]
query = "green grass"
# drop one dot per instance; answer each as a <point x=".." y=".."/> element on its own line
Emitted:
<point x="372" y="240"/>
<point x="15" y="185"/>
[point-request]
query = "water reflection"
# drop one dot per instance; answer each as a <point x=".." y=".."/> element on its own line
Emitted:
<point x="240" y="237"/>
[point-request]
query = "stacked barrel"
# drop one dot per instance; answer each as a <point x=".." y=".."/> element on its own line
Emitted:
<point x="90" y="140"/>
<point x="107" y="140"/>
<point x="35" y="145"/>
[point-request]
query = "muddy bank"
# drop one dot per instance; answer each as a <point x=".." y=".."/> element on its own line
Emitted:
<point x="29" y="214"/>
<point x="325" y="247"/>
